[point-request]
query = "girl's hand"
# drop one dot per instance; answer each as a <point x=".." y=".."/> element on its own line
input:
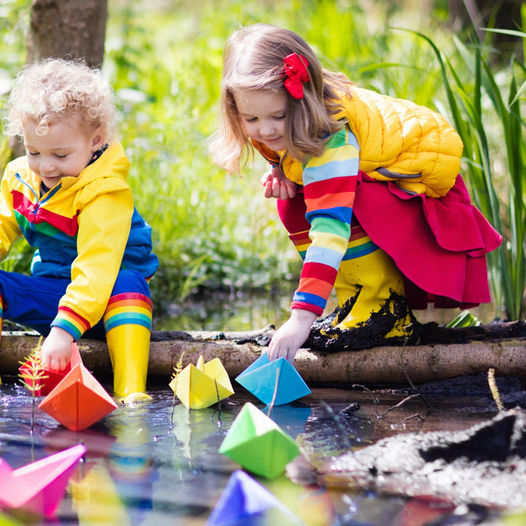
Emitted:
<point x="56" y="349"/>
<point x="291" y="335"/>
<point x="277" y="185"/>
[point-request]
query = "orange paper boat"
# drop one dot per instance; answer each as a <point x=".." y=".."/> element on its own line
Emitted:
<point x="39" y="486"/>
<point x="79" y="400"/>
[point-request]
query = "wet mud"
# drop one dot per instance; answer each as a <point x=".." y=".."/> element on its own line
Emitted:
<point x="326" y="336"/>
<point x="484" y="465"/>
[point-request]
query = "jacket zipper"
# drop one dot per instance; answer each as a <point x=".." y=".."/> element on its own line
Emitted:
<point x="38" y="203"/>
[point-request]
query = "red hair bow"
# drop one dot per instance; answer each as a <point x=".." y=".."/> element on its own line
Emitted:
<point x="296" y="72"/>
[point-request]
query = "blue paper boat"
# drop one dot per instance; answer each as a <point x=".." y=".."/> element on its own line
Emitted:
<point x="260" y="379"/>
<point x="245" y="502"/>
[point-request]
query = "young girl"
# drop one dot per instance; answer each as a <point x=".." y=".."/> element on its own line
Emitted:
<point x="368" y="185"/>
<point x="69" y="198"/>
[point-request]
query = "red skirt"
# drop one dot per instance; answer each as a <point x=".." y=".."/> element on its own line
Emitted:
<point x="438" y="244"/>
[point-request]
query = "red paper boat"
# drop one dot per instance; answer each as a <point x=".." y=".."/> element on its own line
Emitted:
<point x="38" y="487"/>
<point x="79" y="400"/>
<point x="52" y="378"/>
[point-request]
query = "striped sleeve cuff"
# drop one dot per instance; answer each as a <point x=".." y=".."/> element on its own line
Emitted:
<point x="310" y="302"/>
<point x="71" y="322"/>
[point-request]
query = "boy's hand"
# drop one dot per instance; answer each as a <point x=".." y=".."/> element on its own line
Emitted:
<point x="277" y="185"/>
<point x="56" y="349"/>
<point x="291" y="335"/>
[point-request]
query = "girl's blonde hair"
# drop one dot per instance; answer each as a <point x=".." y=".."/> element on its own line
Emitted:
<point x="54" y="87"/>
<point x="253" y="60"/>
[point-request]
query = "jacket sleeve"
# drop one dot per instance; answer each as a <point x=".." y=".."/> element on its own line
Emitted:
<point x="104" y="227"/>
<point x="9" y="228"/>
<point x="329" y="185"/>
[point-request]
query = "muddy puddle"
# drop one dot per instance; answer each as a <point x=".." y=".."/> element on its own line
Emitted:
<point x="158" y="463"/>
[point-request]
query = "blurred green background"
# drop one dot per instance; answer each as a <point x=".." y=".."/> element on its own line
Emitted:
<point x="216" y="236"/>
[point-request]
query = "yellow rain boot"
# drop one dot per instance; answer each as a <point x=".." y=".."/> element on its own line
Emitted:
<point x="127" y="322"/>
<point x="370" y="279"/>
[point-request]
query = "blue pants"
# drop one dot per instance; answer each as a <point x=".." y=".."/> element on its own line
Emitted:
<point x="32" y="301"/>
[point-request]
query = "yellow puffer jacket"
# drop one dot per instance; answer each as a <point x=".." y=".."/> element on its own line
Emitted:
<point x="399" y="141"/>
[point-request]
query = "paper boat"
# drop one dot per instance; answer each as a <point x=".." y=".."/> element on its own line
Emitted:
<point x="50" y="380"/>
<point x="202" y="385"/>
<point x="244" y="501"/>
<point x="262" y="376"/>
<point x="258" y="444"/>
<point x="39" y="486"/>
<point x="79" y="400"/>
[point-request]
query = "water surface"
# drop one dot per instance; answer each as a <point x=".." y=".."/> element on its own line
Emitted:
<point x="158" y="463"/>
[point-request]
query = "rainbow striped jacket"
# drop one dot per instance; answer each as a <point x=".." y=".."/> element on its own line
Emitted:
<point x="85" y="229"/>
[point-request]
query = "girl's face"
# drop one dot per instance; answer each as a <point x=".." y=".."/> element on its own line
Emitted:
<point x="64" y="151"/>
<point x="262" y="114"/>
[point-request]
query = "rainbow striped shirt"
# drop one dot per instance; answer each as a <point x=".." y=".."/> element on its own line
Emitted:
<point x="329" y="186"/>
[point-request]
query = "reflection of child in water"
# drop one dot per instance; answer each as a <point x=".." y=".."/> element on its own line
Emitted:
<point x="69" y="198"/>
<point x="368" y="187"/>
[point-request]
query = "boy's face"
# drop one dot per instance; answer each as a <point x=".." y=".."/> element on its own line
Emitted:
<point x="262" y="115"/>
<point x="64" y="151"/>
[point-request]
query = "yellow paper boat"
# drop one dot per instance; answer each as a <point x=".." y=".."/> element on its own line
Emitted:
<point x="202" y="385"/>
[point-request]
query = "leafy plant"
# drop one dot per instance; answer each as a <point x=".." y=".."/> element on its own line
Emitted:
<point x="32" y="376"/>
<point x="494" y="389"/>
<point x="464" y="319"/>
<point x="178" y="367"/>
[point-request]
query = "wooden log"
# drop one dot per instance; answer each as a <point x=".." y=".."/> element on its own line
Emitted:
<point x="379" y="365"/>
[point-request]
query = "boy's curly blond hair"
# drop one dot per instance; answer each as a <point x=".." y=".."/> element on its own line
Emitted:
<point x="54" y="87"/>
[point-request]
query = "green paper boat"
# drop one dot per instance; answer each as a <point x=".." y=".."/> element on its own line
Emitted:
<point x="258" y="444"/>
